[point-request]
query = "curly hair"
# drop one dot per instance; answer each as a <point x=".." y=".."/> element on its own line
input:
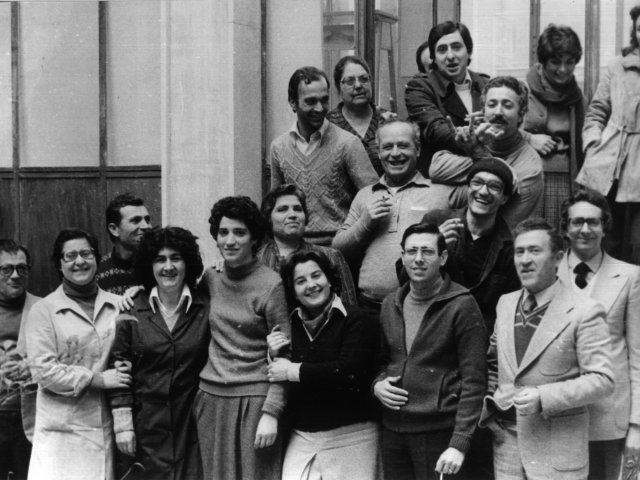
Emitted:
<point x="175" y="238"/>
<point x="558" y="40"/>
<point x="514" y="84"/>
<point x="270" y="199"/>
<point x="634" y="13"/>
<point x="303" y="256"/>
<point x="72" y="234"/>
<point x="588" y="195"/>
<point x="239" y="208"/>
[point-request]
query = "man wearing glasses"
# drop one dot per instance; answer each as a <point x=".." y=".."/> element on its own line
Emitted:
<point x="589" y="270"/>
<point x="15" y="303"/>
<point x="327" y="163"/>
<point x="432" y="370"/>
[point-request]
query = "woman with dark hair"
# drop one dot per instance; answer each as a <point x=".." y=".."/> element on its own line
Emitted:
<point x="611" y="138"/>
<point x="164" y="338"/>
<point x="553" y="123"/>
<point x="237" y="409"/>
<point x="357" y="113"/>
<point x="333" y="352"/>
<point x="69" y="335"/>
<point x="285" y="210"/>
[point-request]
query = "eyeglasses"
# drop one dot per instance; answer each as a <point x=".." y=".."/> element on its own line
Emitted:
<point x="494" y="188"/>
<point x="424" y="251"/>
<point x="351" y="81"/>
<point x="22" y="270"/>
<point x="592" y="222"/>
<point x="87" y="254"/>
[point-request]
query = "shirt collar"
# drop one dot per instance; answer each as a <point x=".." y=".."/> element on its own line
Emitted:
<point x="466" y="82"/>
<point x="416" y="181"/>
<point x="184" y="296"/>
<point x="593" y="263"/>
<point x="335" y="305"/>
<point x="545" y="296"/>
<point x="318" y="134"/>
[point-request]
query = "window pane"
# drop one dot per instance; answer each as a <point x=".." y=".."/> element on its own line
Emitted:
<point x="500" y="32"/>
<point x="571" y="14"/>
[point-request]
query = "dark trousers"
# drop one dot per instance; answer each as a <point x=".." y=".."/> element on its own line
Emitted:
<point x="15" y="449"/>
<point x="413" y="456"/>
<point x="605" y="458"/>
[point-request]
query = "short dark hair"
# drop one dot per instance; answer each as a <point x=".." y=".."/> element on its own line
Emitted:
<point x="71" y="234"/>
<point x="415" y="129"/>
<point x="514" y="84"/>
<point x="417" y="228"/>
<point x="588" y="195"/>
<point x="421" y="48"/>
<point x="113" y="209"/>
<point x="537" y="223"/>
<point x="446" y="28"/>
<point x="341" y="65"/>
<point x="11" y="246"/>
<point x="558" y="40"/>
<point x="270" y="199"/>
<point x="306" y="75"/>
<point x="176" y="238"/>
<point x="634" y="13"/>
<point x="240" y="208"/>
<point x="302" y="256"/>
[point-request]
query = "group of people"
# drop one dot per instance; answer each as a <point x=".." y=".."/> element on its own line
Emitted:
<point x="424" y="298"/>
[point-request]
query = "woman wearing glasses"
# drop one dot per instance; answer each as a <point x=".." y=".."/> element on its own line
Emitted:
<point x="69" y="334"/>
<point x="164" y="338"/>
<point x="357" y="113"/>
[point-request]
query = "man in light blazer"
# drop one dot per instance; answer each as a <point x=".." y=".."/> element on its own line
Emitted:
<point x="615" y="420"/>
<point x="549" y="357"/>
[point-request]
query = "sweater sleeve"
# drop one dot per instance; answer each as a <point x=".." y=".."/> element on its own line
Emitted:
<point x="277" y="178"/>
<point x="121" y="350"/>
<point x="276" y="313"/>
<point x="355" y="233"/>
<point x="46" y="362"/>
<point x="471" y="343"/>
<point x="358" y="164"/>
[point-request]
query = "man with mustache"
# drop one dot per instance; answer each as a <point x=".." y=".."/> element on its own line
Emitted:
<point x="127" y="219"/>
<point x="382" y="211"/>
<point x="326" y="162"/>
<point x="549" y="358"/>
<point x="497" y="135"/>
<point x="447" y="91"/>
<point x="15" y="304"/>
<point x="615" y="420"/>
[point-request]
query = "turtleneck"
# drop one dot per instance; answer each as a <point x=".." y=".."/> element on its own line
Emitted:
<point x="13" y="303"/>
<point x="83" y="295"/>
<point x="502" y="147"/>
<point x="240" y="272"/>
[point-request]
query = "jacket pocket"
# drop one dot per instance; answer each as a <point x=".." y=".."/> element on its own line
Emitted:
<point x="450" y="389"/>
<point x="570" y="441"/>
<point x="558" y="358"/>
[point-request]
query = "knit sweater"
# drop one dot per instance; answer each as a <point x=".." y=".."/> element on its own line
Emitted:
<point x="330" y="176"/>
<point x="246" y="303"/>
<point x="444" y="370"/>
<point x="115" y="275"/>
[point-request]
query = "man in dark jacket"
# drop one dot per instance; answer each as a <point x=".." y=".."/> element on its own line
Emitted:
<point x="448" y="89"/>
<point x="432" y="372"/>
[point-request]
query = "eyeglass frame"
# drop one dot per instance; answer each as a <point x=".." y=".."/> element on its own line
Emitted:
<point x="592" y="222"/>
<point x="351" y="81"/>
<point x="491" y="186"/>
<point x="25" y="267"/>
<point x="85" y="253"/>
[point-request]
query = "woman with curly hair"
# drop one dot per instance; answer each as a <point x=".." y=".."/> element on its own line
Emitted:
<point x="237" y="409"/>
<point x="611" y="138"/>
<point x="164" y="338"/>
<point x="553" y="122"/>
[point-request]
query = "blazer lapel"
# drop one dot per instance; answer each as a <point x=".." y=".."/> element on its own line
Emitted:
<point x="554" y="321"/>
<point x="609" y="282"/>
<point x="507" y="336"/>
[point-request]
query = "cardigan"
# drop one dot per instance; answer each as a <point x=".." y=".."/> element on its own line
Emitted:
<point x="444" y="370"/>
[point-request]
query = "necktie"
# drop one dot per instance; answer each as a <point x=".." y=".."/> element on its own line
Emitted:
<point x="529" y="304"/>
<point x="581" y="270"/>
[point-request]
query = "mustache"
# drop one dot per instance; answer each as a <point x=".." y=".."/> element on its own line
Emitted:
<point x="499" y="119"/>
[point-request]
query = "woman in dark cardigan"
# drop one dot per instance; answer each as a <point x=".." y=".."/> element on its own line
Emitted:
<point x="164" y="338"/>
<point x="332" y="365"/>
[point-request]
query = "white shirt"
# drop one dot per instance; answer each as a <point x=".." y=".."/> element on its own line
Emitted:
<point x="305" y="147"/>
<point x="464" y="92"/>
<point x="170" y="316"/>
